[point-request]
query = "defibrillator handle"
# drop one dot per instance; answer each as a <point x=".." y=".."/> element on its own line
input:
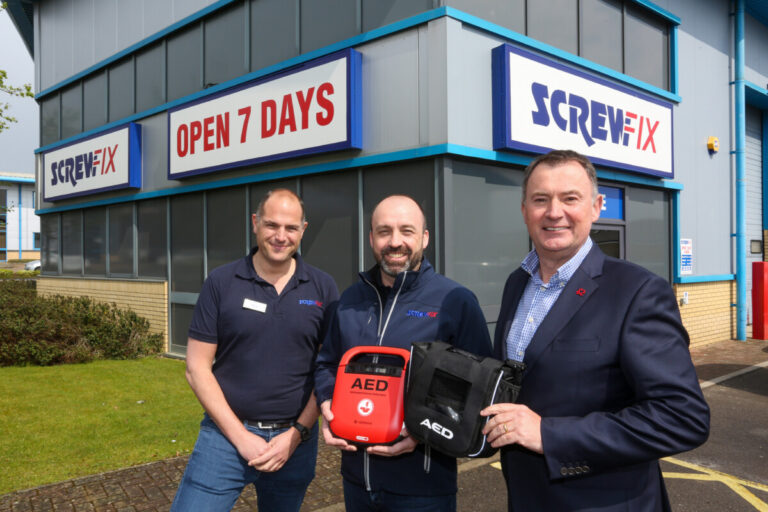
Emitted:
<point x="374" y="350"/>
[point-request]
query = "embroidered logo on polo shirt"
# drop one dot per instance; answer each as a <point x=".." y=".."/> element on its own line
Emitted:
<point x="308" y="302"/>
<point x="421" y="314"/>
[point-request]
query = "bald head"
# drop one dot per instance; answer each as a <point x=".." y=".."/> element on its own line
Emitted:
<point x="280" y="194"/>
<point x="401" y="203"/>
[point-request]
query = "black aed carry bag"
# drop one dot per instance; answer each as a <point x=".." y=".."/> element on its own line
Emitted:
<point x="447" y="389"/>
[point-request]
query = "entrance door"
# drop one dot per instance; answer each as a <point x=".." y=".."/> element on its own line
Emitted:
<point x="609" y="238"/>
<point x="754" y="196"/>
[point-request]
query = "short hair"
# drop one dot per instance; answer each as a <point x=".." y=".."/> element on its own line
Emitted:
<point x="559" y="157"/>
<point x="423" y="215"/>
<point x="260" y="206"/>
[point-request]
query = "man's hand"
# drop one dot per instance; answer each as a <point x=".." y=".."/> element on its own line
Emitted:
<point x="513" y="424"/>
<point x="251" y="446"/>
<point x="277" y="451"/>
<point x="405" y="445"/>
<point x="328" y="436"/>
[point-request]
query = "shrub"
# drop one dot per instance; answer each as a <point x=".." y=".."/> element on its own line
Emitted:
<point x="54" y="330"/>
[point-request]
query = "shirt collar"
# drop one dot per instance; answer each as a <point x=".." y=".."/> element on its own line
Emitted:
<point x="246" y="270"/>
<point x="563" y="274"/>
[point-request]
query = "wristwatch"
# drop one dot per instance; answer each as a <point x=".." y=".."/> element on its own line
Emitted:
<point x="303" y="431"/>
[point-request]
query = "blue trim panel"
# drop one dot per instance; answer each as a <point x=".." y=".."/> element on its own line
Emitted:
<point x="134" y="164"/>
<point x="137" y="46"/>
<point x="673" y="62"/>
<point x="765" y="169"/>
<point x="500" y="79"/>
<point x="361" y="161"/>
<point x="560" y="54"/>
<point x="675" y="198"/>
<point x="705" y="279"/>
<point x="354" y="115"/>
<point x="10" y="179"/>
<point x="756" y="95"/>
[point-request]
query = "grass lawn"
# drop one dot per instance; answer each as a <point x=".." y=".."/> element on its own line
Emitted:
<point x="62" y="422"/>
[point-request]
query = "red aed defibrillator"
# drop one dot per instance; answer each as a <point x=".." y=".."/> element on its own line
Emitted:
<point x="369" y="394"/>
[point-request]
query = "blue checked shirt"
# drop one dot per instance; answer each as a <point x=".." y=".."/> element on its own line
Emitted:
<point x="538" y="298"/>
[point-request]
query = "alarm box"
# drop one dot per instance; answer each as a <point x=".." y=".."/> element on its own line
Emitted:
<point x="369" y="394"/>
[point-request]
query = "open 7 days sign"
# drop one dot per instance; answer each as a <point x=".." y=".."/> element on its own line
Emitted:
<point x="312" y="109"/>
<point x="540" y="104"/>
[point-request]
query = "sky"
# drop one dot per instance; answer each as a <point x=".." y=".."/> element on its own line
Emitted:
<point x="17" y="143"/>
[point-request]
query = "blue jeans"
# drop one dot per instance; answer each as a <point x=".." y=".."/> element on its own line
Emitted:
<point x="357" y="499"/>
<point x="216" y="474"/>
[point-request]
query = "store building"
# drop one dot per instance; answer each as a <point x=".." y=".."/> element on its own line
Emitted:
<point x="163" y="122"/>
<point x="19" y="226"/>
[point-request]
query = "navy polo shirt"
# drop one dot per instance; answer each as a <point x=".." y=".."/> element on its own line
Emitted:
<point x="267" y="343"/>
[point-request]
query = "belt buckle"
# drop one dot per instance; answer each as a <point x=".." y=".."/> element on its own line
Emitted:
<point x="263" y="425"/>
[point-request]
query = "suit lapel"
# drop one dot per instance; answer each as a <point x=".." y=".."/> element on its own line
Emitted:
<point x="517" y="286"/>
<point x="576" y="293"/>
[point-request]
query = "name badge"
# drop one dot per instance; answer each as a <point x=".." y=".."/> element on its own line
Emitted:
<point x="255" y="305"/>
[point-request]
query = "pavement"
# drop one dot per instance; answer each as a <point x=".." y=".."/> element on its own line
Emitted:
<point x="724" y="368"/>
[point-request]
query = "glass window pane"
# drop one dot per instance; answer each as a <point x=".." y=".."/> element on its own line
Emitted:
<point x="509" y="13"/>
<point x="377" y="13"/>
<point x="181" y="317"/>
<point x="601" y="32"/>
<point x="225" y="45"/>
<point x="646" y="47"/>
<point x="481" y="259"/>
<point x="227" y="235"/>
<point x="273" y="32"/>
<point x="95" y="101"/>
<point x="71" y="243"/>
<point x="95" y="241"/>
<point x="149" y="78"/>
<point x="71" y="111"/>
<point x="153" y="241"/>
<point x="258" y="190"/>
<point x="648" y="225"/>
<point x="49" y="119"/>
<point x="554" y="22"/>
<point x="49" y="252"/>
<point x="187" y="243"/>
<point x="331" y="239"/>
<point x="121" y="239"/>
<point x="121" y="90"/>
<point x="323" y="23"/>
<point x="184" y="70"/>
<point x="414" y="179"/>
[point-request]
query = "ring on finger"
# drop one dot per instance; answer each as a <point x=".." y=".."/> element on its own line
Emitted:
<point x="504" y="426"/>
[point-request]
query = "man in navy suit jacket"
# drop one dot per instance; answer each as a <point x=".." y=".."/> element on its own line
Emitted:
<point x="609" y="385"/>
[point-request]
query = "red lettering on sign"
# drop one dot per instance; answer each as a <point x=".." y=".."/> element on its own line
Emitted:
<point x="268" y="118"/>
<point x="222" y="130"/>
<point x="196" y="130"/>
<point x="245" y="111"/>
<point x="651" y="131"/>
<point x="208" y="133"/>
<point x="287" y="117"/>
<point x="182" y="140"/>
<point x="304" y="104"/>
<point x="322" y="92"/>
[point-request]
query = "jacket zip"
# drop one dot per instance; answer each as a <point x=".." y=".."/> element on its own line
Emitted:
<point x="380" y="335"/>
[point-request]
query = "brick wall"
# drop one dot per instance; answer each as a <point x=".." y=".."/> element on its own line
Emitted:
<point x="708" y="316"/>
<point x="148" y="299"/>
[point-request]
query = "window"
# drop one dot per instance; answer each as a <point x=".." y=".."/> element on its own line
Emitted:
<point x="323" y="23"/>
<point x="49" y="250"/>
<point x="184" y="63"/>
<point x="509" y="13"/>
<point x="95" y="241"/>
<point x="121" y="239"/>
<point x="414" y="179"/>
<point x="646" y="47"/>
<point x="273" y="32"/>
<point x="225" y="45"/>
<point x="36" y="240"/>
<point x="331" y="241"/>
<point x="648" y="230"/>
<point x="554" y="22"/>
<point x="95" y="101"/>
<point x="72" y="243"/>
<point x="121" y="90"/>
<point x="49" y="119"/>
<point x="71" y="111"/>
<point x="187" y="243"/>
<point x="150" y="83"/>
<point x="377" y="13"/>
<point x="604" y="45"/>
<point x="226" y="226"/>
<point x="153" y="239"/>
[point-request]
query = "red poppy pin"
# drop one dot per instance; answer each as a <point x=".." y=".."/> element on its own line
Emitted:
<point x="580" y="292"/>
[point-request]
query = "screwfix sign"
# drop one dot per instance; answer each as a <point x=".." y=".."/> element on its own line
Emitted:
<point x="540" y="104"/>
<point x="315" y="108"/>
<point x="108" y="161"/>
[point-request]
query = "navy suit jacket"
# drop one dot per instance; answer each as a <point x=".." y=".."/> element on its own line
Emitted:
<point x="610" y="373"/>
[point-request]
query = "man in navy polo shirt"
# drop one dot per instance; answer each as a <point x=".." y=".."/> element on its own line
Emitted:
<point x="251" y="351"/>
<point x="399" y="301"/>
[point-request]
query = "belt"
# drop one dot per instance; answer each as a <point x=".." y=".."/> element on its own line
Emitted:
<point x="270" y="424"/>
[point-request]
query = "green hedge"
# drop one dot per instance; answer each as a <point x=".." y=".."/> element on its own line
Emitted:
<point x="55" y="330"/>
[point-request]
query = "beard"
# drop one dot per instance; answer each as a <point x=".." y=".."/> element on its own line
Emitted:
<point x="411" y="262"/>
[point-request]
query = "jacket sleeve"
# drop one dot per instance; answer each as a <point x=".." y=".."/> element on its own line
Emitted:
<point x="329" y="356"/>
<point x="464" y="324"/>
<point x="667" y="413"/>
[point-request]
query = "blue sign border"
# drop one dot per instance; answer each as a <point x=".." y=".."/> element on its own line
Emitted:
<point x="354" y="138"/>
<point x="134" y="163"/>
<point x="502" y="122"/>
